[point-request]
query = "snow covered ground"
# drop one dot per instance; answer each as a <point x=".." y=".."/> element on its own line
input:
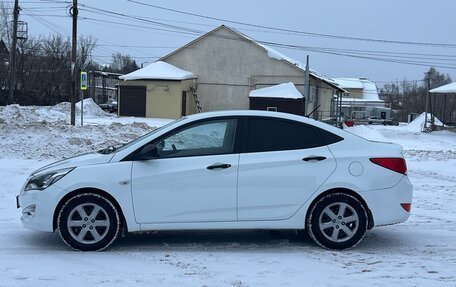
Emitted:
<point x="419" y="252"/>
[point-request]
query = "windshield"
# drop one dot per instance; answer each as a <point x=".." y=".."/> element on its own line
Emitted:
<point x="112" y="149"/>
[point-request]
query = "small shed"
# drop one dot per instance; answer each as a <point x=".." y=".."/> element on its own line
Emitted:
<point x="445" y="90"/>
<point x="279" y="98"/>
<point x="159" y="90"/>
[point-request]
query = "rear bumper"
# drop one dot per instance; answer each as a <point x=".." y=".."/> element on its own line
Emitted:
<point x="385" y="204"/>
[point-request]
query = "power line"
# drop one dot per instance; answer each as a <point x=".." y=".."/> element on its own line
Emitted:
<point x="447" y="45"/>
<point x="339" y="52"/>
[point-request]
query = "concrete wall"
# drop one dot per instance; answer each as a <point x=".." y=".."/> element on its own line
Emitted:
<point x="164" y="98"/>
<point x="224" y="64"/>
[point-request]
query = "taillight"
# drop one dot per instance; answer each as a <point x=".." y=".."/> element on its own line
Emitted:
<point x="406" y="206"/>
<point x="396" y="164"/>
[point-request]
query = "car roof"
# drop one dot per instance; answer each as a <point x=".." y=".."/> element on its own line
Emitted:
<point x="269" y="114"/>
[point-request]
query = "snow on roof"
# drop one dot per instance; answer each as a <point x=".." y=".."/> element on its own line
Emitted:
<point x="349" y="83"/>
<point x="370" y="92"/>
<point x="281" y="57"/>
<point x="446" y="89"/>
<point x="347" y="99"/>
<point x="159" y="71"/>
<point x="284" y="91"/>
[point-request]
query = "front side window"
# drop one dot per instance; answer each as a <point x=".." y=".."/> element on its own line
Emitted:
<point x="207" y="138"/>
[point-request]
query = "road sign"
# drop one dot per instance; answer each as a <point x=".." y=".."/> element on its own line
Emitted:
<point x="84" y="81"/>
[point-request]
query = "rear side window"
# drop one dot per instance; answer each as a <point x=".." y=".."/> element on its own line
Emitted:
<point x="329" y="137"/>
<point x="275" y="134"/>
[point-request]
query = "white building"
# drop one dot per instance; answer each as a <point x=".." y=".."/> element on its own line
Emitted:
<point x="363" y="100"/>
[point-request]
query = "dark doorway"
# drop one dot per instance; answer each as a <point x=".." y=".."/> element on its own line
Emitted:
<point x="132" y="101"/>
<point x="184" y="104"/>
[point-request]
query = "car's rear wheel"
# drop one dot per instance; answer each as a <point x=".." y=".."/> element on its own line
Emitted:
<point x="89" y="222"/>
<point x="337" y="221"/>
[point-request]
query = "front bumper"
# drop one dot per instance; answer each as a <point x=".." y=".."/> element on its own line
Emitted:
<point x="38" y="207"/>
<point x="385" y="204"/>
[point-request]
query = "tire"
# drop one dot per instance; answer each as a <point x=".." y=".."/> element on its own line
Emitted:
<point x="370" y="123"/>
<point x="83" y="230"/>
<point x="337" y="221"/>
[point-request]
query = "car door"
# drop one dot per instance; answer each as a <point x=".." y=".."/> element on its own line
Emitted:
<point x="281" y="165"/>
<point x="194" y="177"/>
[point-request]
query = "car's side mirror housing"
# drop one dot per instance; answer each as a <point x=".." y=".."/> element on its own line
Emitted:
<point x="147" y="152"/>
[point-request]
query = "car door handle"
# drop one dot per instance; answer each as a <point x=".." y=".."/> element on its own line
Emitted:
<point x="314" y="158"/>
<point x="219" y="166"/>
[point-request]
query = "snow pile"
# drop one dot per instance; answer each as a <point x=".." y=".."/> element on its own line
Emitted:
<point x="16" y="114"/>
<point x="91" y="108"/>
<point x="418" y="123"/>
<point x="60" y="113"/>
<point x="285" y="91"/>
<point x="43" y="132"/>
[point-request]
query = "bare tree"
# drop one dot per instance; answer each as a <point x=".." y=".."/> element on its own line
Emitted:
<point x="123" y="64"/>
<point x="5" y="24"/>
<point x="85" y="49"/>
<point x="410" y="96"/>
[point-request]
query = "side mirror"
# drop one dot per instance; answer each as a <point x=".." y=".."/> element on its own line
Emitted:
<point x="148" y="152"/>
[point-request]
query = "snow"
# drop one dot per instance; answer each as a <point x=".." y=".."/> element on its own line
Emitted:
<point x="419" y="252"/>
<point x="349" y="83"/>
<point x="31" y="132"/>
<point x="348" y="100"/>
<point x="370" y="93"/>
<point x="285" y="91"/>
<point x="90" y="108"/>
<point x="159" y="71"/>
<point x="446" y="89"/>
<point x="418" y="123"/>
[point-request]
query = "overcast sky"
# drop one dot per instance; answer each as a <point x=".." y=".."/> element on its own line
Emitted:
<point x="397" y="20"/>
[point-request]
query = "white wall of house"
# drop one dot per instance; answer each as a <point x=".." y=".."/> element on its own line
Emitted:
<point x="228" y="66"/>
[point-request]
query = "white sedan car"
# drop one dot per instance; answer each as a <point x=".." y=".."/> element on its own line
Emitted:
<point x="224" y="170"/>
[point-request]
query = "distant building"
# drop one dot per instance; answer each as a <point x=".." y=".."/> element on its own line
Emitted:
<point x="229" y="65"/>
<point x="159" y="90"/>
<point x="363" y="100"/>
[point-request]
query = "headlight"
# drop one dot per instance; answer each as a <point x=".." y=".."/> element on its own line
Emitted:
<point x="43" y="180"/>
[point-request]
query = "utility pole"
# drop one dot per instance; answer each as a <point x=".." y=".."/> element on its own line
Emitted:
<point x="427" y="102"/>
<point x="74" y="14"/>
<point x="13" y="52"/>
<point x="306" y="86"/>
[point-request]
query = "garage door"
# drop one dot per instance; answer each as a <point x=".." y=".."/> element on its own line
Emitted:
<point x="132" y="101"/>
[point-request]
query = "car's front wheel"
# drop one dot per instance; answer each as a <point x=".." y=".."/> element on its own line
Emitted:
<point x="337" y="221"/>
<point x="89" y="222"/>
